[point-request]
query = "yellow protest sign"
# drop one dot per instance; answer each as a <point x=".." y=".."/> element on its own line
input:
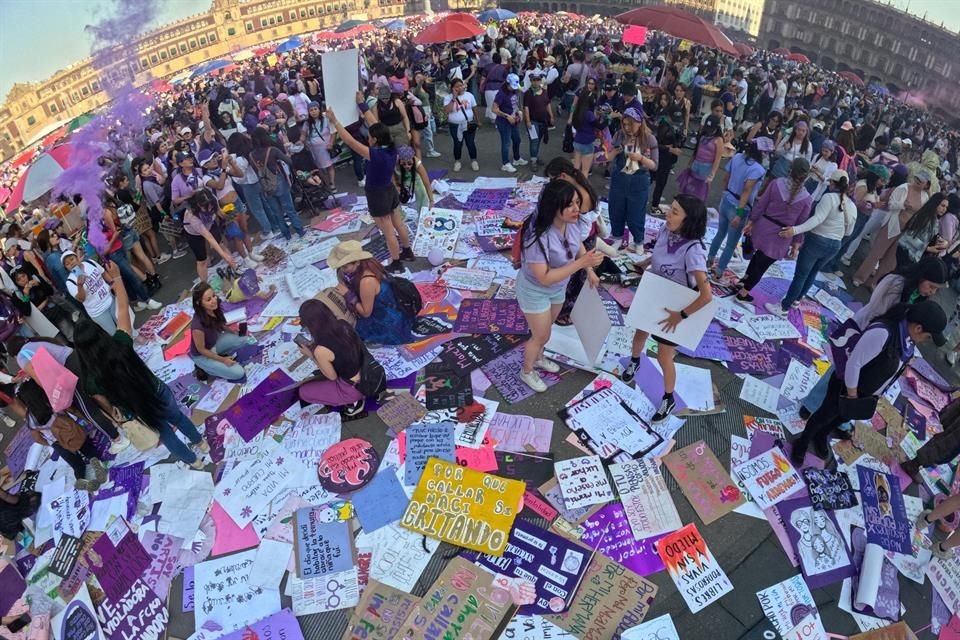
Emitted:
<point x="272" y="59"/>
<point x="685" y="45"/>
<point x="464" y="507"/>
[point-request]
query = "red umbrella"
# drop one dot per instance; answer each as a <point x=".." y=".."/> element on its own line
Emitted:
<point x="851" y="77"/>
<point x="262" y="51"/>
<point x="24" y="158"/>
<point x="782" y="51"/>
<point x="798" y="57"/>
<point x="681" y="24"/>
<point x="448" y="31"/>
<point x="55" y="136"/>
<point x="160" y="86"/>
<point x="464" y="18"/>
<point x="744" y="49"/>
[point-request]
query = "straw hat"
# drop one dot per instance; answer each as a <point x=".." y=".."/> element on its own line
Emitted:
<point x="346" y="252"/>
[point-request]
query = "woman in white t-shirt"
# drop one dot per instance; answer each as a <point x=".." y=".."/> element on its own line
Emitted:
<point x="460" y="106"/>
<point x="248" y="184"/>
<point x="86" y="283"/>
<point x="821" y="170"/>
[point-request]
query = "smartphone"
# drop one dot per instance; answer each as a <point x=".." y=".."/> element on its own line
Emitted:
<point x="242" y="329"/>
<point x="301" y="340"/>
<point x="19" y="623"/>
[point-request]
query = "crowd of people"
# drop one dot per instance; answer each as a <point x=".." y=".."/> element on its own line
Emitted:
<point x="812" y="166"/>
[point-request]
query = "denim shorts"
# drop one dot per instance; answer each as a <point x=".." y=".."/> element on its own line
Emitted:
<point x="534" y="298"/>
<point x="583" y="149"/>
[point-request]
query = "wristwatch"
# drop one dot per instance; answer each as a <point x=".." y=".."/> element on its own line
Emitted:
<point x="683" y="314"/>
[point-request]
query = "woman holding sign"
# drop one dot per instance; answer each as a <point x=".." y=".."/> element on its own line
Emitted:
<point x="552" y="251"/>
<point x="678" y="255"/>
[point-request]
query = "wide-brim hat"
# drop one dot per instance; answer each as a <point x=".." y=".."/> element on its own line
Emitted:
<point x="346" y="252"/>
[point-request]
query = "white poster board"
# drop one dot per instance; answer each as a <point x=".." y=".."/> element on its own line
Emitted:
<point x="655" y="294"/>
<point x="591" y="321"/>
<point x="341" y="82"/>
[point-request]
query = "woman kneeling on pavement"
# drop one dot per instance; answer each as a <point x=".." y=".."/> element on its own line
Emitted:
<point x="874" y="361"/>
<point x="212" y="347"/>
<point x="339" y="355"/>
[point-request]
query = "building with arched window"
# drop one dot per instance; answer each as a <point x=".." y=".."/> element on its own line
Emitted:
<point x="877" y="41"/>
<point x="32" y="110"/>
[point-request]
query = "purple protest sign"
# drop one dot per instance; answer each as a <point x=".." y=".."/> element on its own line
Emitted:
<point x="884" y="512"/>
<point x="188" y="589"/>
<point x="753" y="358"/>
<point x="164" y="552"/>
<point x="817" y="541"/>
<point x="712" y="346"/>
<point x="12" y="586"/>
<point x="118" y="567"/>
<point x="609" y="532"/>
<point x="552" y="563"/>
<point x="252" y="413"/>
<point x="282" y="624"/>
<point x="887" y="603"/>
<point x="139" y="614"/>
<point x="491" y="316"/>
<point x="126" y="479"/>
<point x="188" y="391"/>
<point x="504" y="373"/>
<point x="16" y="452"/>
<point x="484" y="199"/>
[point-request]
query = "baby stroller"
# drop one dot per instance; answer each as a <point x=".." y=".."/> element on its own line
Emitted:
<point x="310" y="188"/>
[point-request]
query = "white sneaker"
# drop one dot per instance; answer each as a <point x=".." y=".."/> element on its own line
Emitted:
<point x="475" y="165"/>
<point x="434" y="154"/>
<point x="845" y="261"/>
<point x="250" y="262"/>
<point x="775" y="308"/>
<point x="163" y="257"/>
<point x="533" y="381"/>
<point x="139" y="306"/>
<point x="520" y="162"/>
<point x="253" y="255"/>
<point x="457" y="166"/>
<point x="119" y="444"/>
<point x="362" y="183"/>
<point x="547" y="365"/>
<point x="509" y="168"/>
<point x="154" y="305"/>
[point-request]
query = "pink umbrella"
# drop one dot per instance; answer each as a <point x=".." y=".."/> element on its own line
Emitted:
<point x="798" y="57"/>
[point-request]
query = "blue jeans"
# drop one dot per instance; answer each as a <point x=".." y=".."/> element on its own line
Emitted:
<point x="535" y="143"/>
<point x="171" y="416"/>
<point x="815" y="254"/>
<point x="227" y="345"/>
<point x="469" y="138"/>
<point x="130" y="278"/>
<point x="253" y="195"/>
<point x="280" y="203"/>
<point x="627" y="203"/>
<point x="509" y="133"/>
<point x="728" y="211"/>
<point x="857" y="229"/>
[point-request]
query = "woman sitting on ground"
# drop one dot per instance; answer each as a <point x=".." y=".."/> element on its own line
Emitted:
<point x="212" y="346"/>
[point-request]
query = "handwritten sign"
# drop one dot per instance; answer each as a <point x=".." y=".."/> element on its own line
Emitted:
<point x="164" y="552"/>
<point x="769" y="477"/>
<point x="65" y="556"/>
<point x="321" y="548"/>
<point x="139" y="614"/>
<point x="697" y="574"/>
<point x="798" y="381"/>
<point x="771" y="327"/>
<point x="466" y="279"/>
<point x="118" y="566"/>
<point x="468" y="508"/>
<point x="786" y="602"/>
<point x="222" y="594"/>
<point x="77" y="621"/>
<point x="583" y="482"/>
<point x="884" y="512"/>
<point x="473" y="605"/>
<point x="514" y="432"/>
<point x="490" y="316"/>
<point x="752" y="357"/>
<point x="817" y="542"/>
<point x="445" y="389"/>
<point x="394" y="556"/>
<point x="380" y="614"/>
<point x="425" y="441"/>
<point x="252" y="485"/>
<point x="610" y="425"/>
<point x="438" y="228"/>
<point x="704" y="481"/>
<point x="610" y="600"/>
<point x="829" y="489"/>
<point x="348" y="465"/>
<point x="504" y="373"/>
<point x="466" y="353"/>
<point x="646" y="499"/>
<point x="401" y="411"/>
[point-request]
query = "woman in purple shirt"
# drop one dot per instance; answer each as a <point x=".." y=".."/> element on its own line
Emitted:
<point x="551" y="252"/>
<point x="678" y="255"/>
<point x="696" y="178"/>
<point x="872" y="364"/>
<point x="212" y="347"/>
<point x="585" y="124"/>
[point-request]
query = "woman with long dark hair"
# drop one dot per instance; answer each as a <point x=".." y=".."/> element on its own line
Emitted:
<point x="203" y="230"/>
<point x="337" y="351"/>
<point x="584" y="120"/>
<point x="266" y="158"/>
<point x="239" y="146"/>
<point x="695" y="180"/>
<point x="635" y="154"/>
<point x="212" y="346"/>
<point x="921" y="234"/>
<point x="552" y="251"/>
<point x="114" y="374"/>
<point x="866" y="195"/>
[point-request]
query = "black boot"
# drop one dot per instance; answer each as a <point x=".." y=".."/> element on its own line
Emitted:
<point x="798" y="453"/>
<point x="406" y="255"/>
<point x="395" y="267"/>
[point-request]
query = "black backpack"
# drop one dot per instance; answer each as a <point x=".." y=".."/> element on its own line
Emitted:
<point x="373" y="378"/>
<point x="408" y="298"/>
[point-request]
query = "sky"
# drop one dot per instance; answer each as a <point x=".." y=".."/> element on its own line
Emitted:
<point x="38" y="37"/>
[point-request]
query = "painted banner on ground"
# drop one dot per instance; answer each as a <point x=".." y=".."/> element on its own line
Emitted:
<point x="697" y="574"/>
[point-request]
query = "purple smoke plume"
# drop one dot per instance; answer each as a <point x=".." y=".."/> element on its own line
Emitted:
<point x="114" y="131"/>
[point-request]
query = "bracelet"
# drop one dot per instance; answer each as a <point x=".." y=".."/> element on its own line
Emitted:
<point x="683" y="314"/>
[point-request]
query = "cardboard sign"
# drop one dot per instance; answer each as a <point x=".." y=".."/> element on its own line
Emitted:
<point x="348" y="465"/>
<point x="552" y="563"/>
<point x="139" y="614"/>
<point x="380" y="502"/>
<point x="609" y="533"/>
<point x="446" y="389"/>
<point x="466" y="279"/>
<point x="884" y="512"/>
<point x="380" y="614"/>
<point x="281" y="625"/>
<point x="769" y="477"/>
<point x="592" y="321"/>
<point x="752" y="357"/>
<point x="646" y="499"/>
<point x="165" y="553"/>
<point x="583" y="482"/>
<point x="425" y="441"/>
<point x="401" y="411"/>
<point x="491" y="316"/>
<point x="473" y="606"/>
<point x="786" y="602"/>
<point x="438" y="228"/>
<point x="533" y="469"/>
<point x="12" y="586"/>
<point x="697" y="574"/>
<point x="504" y="372"/>
<point x="609" y="601"/>
<point x="464" y="354"/>
<point x="655" y="295"/>
<point x="468" y="508"/>
<point x="118" y="566"/>
<point x="704" y="481"/>
<point x="321" y="548"/>
<point x="610" y="425"/>
<point x="222" y="593"/>
<point x="829" y="489"/>
<point x="817" y="541"/>
<point x="77" y="621"/>
<point x="65" y="556"/>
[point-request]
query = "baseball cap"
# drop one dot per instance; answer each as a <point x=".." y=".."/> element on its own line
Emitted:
<point x="931" y="317"/>
<point x="838" y="175"/>
<point x="536" y="75"/>
<point x="847" y="125"/>
<point x="205" y="155"/>
<point x="828" y="145"/>
<point x="513" y="81"/>
<point x="183" y="156"/>
<point x="185" y="130"/>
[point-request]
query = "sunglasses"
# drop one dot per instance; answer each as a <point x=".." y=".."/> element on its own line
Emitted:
<point x="566" y="245"/>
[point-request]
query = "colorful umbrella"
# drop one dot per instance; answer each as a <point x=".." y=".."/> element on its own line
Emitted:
<point x="160" y="86"/>
<point x="464" y="18"/>
<point x="496" y="15"/>
<point x="79" y="121"/>
<point x="55" y="136"/>
<point x="744" y="49"/>
<point x="347" y="25"/>
<point x="850" y="76"/>
<point x="246" y="54"/>
<point x="681" y="24"/>
<point x="208" y="67"/>
<point x="396" y="25"/>
<point x="4" y="194"/>
<point x="41" y="176"/>
<point x="289" y="45"/>
<point x="799" y="57"/>
<point x="447" y="31"/>
<point x="782" y="51"/>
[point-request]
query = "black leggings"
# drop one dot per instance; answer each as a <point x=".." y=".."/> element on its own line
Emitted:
<point x="78" y="460"/>
<point x="758" y="266"/>
<point x="824" y="420"/>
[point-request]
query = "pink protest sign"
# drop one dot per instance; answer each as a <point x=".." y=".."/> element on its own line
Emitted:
<point x="635" y="34"/>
